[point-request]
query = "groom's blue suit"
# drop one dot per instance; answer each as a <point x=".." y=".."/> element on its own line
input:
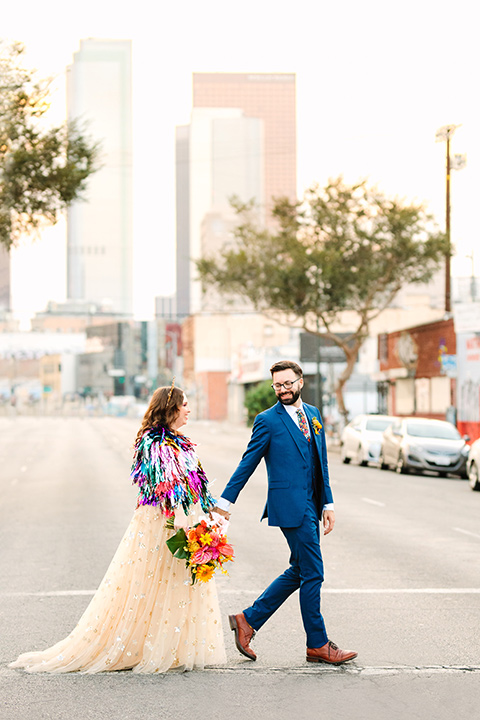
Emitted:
<point x="298" y="489"/>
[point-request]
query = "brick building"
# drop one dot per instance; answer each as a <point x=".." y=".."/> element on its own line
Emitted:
<point x="417" y="368"/>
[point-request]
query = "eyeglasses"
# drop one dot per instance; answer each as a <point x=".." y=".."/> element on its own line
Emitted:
<point x="287" y="385"/>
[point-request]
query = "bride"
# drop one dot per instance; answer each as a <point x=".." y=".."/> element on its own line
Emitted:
<point x="146" y="615"/>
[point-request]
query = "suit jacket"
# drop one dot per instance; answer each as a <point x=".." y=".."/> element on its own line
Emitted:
<point x="277" y="439"/>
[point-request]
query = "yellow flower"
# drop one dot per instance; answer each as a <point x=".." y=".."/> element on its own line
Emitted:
<point x="193" y="547"/>
<point x="205" y="572"/>
<point x="205" y="539"/>
<point x="316" y="425"/>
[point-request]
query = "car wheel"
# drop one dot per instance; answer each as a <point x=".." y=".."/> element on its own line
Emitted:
<point x="360" y="460"/>
<point x="400" y="466"/>
<point x="381" y="460"/>
<point x="473" y="477"/>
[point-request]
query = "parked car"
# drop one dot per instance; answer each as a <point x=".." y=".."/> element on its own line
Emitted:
<point x="420" y="444"/>
<point x="361" y="439"/>
<point x="473" y="465"/>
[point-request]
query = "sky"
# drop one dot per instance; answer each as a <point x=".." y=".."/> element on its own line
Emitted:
<point x="375" y="80"/>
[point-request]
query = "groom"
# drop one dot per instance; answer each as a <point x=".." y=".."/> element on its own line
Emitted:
<point x="291" y="439"/>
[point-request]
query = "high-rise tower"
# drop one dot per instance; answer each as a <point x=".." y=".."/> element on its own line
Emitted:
<point x="99" y="260"/>
<point x="241" y="141"/>
<point x="271" y="98"/>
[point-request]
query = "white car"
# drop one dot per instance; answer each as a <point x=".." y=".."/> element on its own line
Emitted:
<point x="473" y="465"/>
<point x="361" y="439"/>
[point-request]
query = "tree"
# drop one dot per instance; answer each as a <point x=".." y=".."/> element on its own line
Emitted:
<point x="258" y="399"/>
<point x="42" y="169"/>
<point x="343" y="248"/>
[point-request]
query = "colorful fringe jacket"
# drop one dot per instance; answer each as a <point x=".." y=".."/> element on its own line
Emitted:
<point x="168" y="472"/>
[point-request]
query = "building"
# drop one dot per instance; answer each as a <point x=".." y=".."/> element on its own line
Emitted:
<point x="417" y="365"/>
<point x="467" y="327"/>
<point x="241" y="142"/>
<point x="270" y="98"/>
<point x="115" y="360"/>
<point x="21" y="358"/>
<point x="72" y="316"/>
<point x="99" y="230"/>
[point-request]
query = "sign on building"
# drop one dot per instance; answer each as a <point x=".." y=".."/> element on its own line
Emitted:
<point x="314" y="348"/>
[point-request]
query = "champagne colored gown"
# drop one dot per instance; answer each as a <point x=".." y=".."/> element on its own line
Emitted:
<point x="146" y="615"/>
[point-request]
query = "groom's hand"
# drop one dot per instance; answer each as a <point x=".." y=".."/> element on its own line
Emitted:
<point x="328" y="521"/>
<point x="218" y="510"/>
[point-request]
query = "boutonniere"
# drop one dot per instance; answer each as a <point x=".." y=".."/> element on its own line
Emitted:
<point x="316" y="425"/>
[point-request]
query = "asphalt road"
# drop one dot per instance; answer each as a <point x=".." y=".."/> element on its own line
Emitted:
<point x="402" y="585"/>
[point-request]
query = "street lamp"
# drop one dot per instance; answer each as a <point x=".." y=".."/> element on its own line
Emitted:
<point x="458" y="162"/>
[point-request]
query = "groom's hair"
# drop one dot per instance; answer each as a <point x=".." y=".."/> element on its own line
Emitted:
<point x="286" y="365"/>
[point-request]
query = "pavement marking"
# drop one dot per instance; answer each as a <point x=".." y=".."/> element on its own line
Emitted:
<point x="229" y="591"/>
<point x="373" y="502"/>
<point x="411" y="591"/>
<point x="467" y="532"/>
<point x="322" y="669"/>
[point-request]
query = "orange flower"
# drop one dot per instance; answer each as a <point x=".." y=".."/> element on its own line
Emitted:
<point x="192" y="535"/>
<point x="201" y="527"/>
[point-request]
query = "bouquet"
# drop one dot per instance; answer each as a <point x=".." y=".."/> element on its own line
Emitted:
<point x="204" y="547"/>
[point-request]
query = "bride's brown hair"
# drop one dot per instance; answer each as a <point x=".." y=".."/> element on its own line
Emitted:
<point x="162" y="410"/>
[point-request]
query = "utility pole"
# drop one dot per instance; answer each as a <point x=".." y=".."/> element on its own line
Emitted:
<point x="456" y="163"/>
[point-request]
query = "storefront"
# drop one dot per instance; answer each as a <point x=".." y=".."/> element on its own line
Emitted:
<point x="418" y="365"/>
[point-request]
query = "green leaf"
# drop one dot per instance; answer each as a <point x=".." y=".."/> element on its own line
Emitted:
<point x="177" y="543"/>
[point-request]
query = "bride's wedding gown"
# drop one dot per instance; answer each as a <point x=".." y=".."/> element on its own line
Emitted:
<point x="145" y="616"/>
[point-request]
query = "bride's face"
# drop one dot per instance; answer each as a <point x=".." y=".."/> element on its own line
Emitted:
<point x="182" y="416"/>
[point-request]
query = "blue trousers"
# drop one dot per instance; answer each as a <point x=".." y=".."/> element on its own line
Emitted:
<point x="305" y="573"/>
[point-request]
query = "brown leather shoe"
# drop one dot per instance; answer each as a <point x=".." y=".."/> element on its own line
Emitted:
<point x="243" y="634"/>
<point x="329" y="653"/>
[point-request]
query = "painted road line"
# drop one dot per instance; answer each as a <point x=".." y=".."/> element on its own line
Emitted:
<point x="228" y="591"/>
<point x="467" y="532"/>
<point x="350" y="669"/>
<point x="373" y="502"/>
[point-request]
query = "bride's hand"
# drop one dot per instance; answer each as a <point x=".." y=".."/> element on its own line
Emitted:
<point x="181" y="520"/>
<point x="219" y="511"/>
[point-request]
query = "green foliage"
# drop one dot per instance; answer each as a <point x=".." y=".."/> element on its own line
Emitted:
<point x="42" y="169"/>
<point x="343" y="248"/>
<point x="176" y="544"/>
<point x="258" y="399"/>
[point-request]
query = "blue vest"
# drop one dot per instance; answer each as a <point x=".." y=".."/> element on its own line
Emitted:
<point x="314" y="469"/>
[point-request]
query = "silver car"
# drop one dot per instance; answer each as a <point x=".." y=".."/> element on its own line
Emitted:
<point x="473" y="465"/>
<point x="362" y="438"/>
<point x="420" y="444"/>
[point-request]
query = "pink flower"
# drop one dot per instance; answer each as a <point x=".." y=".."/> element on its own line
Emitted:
<point x="202" y="556"/>
<point x="226" y="549"/>
<point x="214" y="538"/>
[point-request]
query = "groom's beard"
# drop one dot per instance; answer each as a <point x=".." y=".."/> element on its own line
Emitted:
<point x="290" y="397"/>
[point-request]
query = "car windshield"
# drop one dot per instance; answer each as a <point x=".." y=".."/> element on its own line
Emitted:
<point x="427" y="430"/>
<point x="379" y="424"/>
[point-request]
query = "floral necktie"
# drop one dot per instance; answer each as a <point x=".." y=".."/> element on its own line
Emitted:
<point x="302" y="422"/>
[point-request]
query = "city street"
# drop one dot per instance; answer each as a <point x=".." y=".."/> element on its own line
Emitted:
<point x="402" y="585"/>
